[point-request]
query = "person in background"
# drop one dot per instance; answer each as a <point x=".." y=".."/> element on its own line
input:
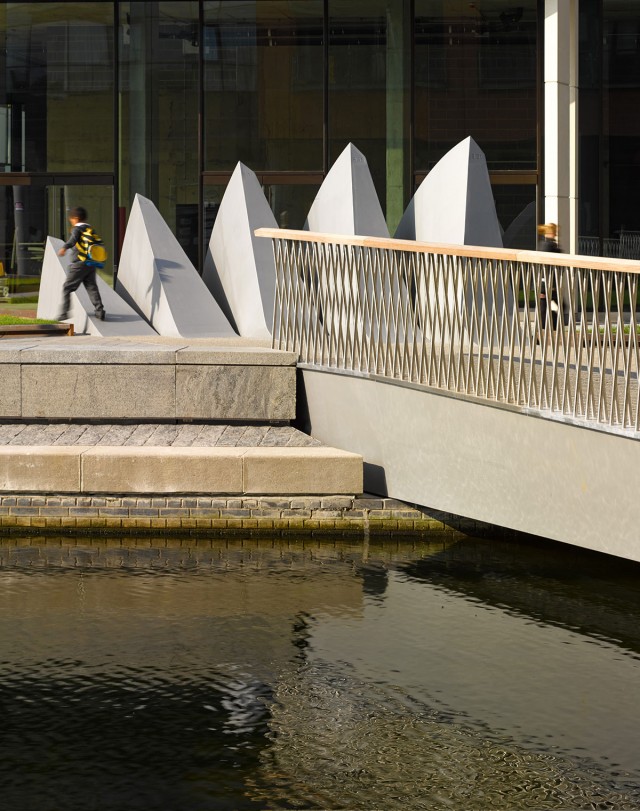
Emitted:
<point x="79" y="272"/>
<point x="548" y="241"/>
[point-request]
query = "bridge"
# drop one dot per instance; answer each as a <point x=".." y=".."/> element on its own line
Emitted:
<point x="497" y="384"/>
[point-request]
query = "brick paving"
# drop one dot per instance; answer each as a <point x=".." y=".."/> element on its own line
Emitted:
<point x="159" y="435"/>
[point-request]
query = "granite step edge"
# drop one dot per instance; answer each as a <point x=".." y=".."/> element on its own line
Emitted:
<point x="207" y="470"/>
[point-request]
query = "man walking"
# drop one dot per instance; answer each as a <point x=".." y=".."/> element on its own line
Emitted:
<point x="80" y="272"/>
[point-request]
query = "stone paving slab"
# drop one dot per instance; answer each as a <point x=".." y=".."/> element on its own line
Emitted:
<point x="153" y="435"/>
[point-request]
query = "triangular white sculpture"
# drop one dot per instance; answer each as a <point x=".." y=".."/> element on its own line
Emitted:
<point x="454" y="203"/>
<point x="157" y="278"/>
<point x="239" y="268"/>
<point x="121" y="318"/>
<point x="346" y="202"/>
<point x="522" y="234"/>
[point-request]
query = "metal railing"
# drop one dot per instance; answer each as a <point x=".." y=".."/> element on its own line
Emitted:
<point x="551" y="334"/>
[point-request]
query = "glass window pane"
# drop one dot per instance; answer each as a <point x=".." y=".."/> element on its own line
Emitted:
<point x="475" y="74"/>
<point x="159" y="107"/>
<point x="28" y="214"/>
<point x="609" y="131"/>
<point x="621" y="146"/>
<point x="369" y="53"/>
<point x="263" y="84"/>
<point x="290" y="203"/>
<point x="56" y="86"/>
<point x="517" y="215"/>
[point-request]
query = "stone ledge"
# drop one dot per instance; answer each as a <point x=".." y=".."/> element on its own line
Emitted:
<point x="174" y="469"/>
<point x="293" y="470"/>
<point x="101" y="378"/>
<point x="135" y="469"/>
<point x="50" y="469"/>
<point x="234" y="356"/>
<point x="98" y="351"/>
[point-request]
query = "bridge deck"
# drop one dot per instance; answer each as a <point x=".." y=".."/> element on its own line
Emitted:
<point x="561" y="377"/>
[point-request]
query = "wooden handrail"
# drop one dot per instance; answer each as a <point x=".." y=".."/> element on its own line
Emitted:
<point x="479" y="252"/>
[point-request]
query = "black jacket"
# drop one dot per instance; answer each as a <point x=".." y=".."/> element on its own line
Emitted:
<point x="72" y="242"/>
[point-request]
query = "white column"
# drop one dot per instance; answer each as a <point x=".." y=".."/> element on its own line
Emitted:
<point x="561" y="119"/>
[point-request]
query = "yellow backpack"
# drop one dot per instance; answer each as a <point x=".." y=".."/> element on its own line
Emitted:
<point x="91" y="249"/>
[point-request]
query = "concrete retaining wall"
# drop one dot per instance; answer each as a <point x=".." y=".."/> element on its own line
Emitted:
<point x="81" y="378"/>
<point x="269" y="514"/>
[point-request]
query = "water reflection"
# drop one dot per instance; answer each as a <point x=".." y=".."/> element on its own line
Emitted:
<point x="212" y="675"/>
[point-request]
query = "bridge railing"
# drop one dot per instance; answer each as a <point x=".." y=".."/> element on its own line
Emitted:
<point x="547" y="333"/>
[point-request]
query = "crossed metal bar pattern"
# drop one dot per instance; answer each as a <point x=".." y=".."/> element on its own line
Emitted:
<point x="544" y="333"/>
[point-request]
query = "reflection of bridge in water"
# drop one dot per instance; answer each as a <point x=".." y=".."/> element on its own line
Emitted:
<point x="497" y="384"/>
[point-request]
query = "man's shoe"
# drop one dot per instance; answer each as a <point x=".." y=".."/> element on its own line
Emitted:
<point x="101" y="314"/>
<point x="63" y="316"/>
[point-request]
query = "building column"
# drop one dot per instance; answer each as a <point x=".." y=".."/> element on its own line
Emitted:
<point x="561" y="119"/>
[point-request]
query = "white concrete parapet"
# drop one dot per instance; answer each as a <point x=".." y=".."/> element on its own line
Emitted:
<point x="239" y="269"/>
<point x="454" y="203"/>
<point x="157" y="278"/>
<point x="347" y="202"/>
<point x="121" y="318"/>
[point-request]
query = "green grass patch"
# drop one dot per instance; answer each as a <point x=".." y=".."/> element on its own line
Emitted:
<point x="21" y="284"/>
<point x="7" y="320"/>
<point x="20" y="300"/>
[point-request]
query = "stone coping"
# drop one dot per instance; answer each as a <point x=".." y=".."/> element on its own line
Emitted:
<point x="81" y="349"/>
<point x="265" y="514"/>
<point x="206" y="470"/>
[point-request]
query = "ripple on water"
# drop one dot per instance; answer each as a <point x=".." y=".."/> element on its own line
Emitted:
<point x="251" y="676"/>
<point x="340" y="743"/>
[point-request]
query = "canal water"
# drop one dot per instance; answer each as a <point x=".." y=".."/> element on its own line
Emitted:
<point x="193" y="675"/>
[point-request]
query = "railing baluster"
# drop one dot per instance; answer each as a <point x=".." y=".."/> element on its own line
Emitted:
<point x="466" y="320"/>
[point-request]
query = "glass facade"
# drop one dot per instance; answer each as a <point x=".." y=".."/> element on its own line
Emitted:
<point x="158" y="103"/>
<point x="609" y="145"/>
<point x="103" y="100"/>
<point x="56" y="95"/>
<point x="57" y="81"/>
<point x="369" y="59"/>
<point x="263" y="88"/>
<point x="476" y="72"/>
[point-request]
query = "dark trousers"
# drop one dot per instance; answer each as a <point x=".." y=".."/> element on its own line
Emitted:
<point x="546" y="305"/>
<point x="79" y="274"/>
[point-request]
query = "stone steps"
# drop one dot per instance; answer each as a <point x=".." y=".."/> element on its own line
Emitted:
<point x="144" y="416"/>
<point x="205" y="470"/>
<point x="145" y="379"/>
